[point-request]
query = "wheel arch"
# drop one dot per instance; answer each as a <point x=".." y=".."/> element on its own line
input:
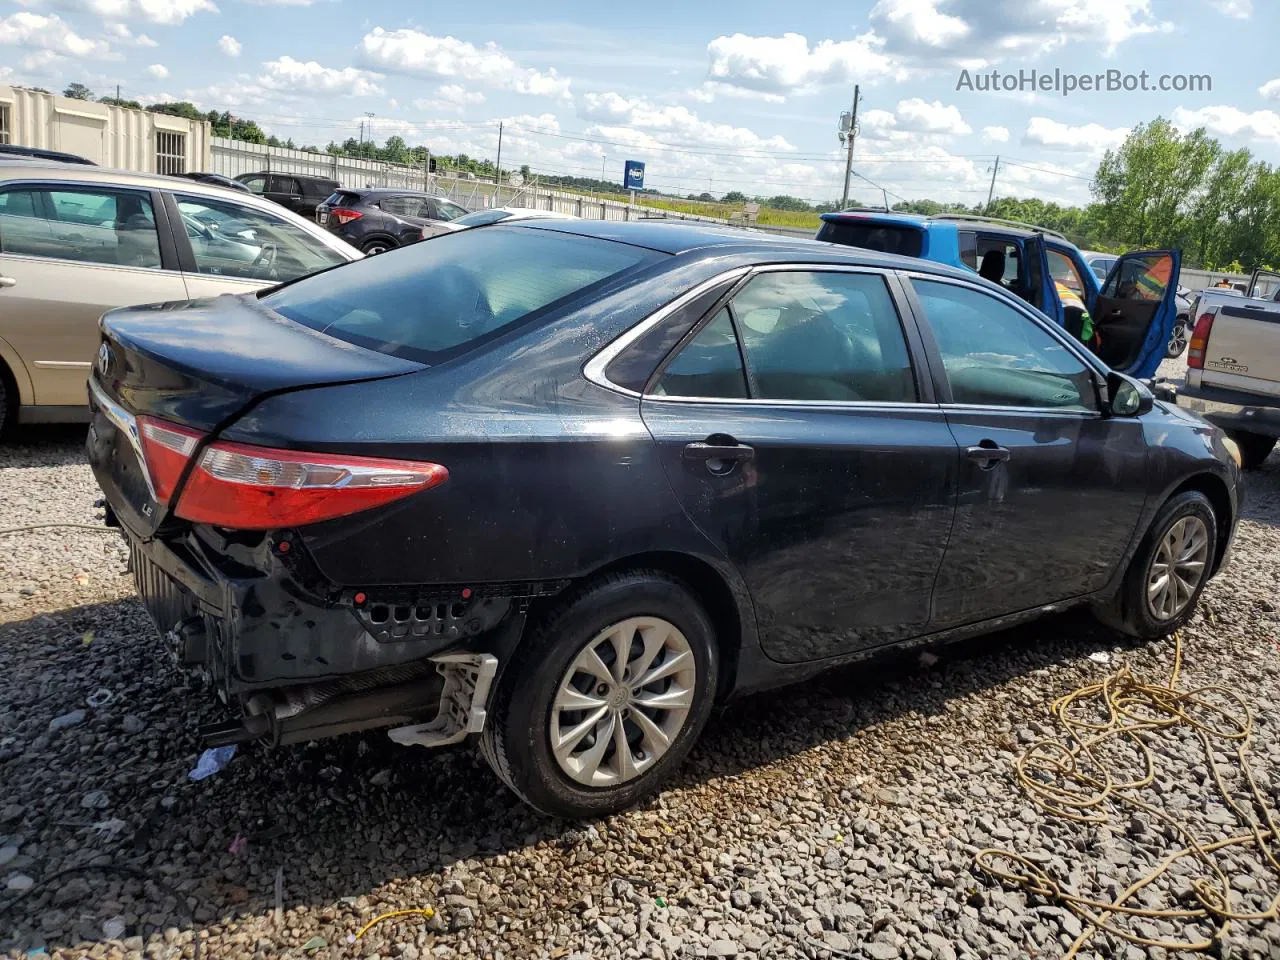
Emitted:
<point x="379" y="237"/>
<point x="1215" y="489"/>
<point x="15" y="377"/>
<point x="726" y="603"/>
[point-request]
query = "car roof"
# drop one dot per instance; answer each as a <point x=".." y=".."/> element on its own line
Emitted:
<point x="387" y="192"/>
<point x="681" y="237"/>
<point x="1011" y="227"/>
<point x="80" y="173"/>
<point x="285" y="173"/>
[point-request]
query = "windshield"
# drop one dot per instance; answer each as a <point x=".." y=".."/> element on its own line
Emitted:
<point x="431" y="301"/>
<point x="480" y="218"/>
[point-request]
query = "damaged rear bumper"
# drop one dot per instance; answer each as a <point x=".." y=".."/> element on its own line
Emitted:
<point x="299" y="659"/>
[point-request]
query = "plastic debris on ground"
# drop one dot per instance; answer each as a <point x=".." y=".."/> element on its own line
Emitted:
<point x="1100" y="656"/>
<point x="109" y="829"/>
<point x="238" y="845"/>
<point x="315" y="943"/>
<point x="99" y="698"/>
<point x="212" y="761"/>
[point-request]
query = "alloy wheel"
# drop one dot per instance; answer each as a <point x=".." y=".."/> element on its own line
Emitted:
<point x="622" y="702"/>
<point x="1177" y="568"/>
<point x="1178" y="341"/>
<point x="374" y="249"/>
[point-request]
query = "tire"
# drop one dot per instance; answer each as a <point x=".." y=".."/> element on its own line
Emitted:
<point x="374" y="247"/>
<point x="8" y="401"/>
<point x="527" y="706"/>
<point x="1131" y="611"/>
<point x="1254" y="448"/>
<point x="1178" y="340"/>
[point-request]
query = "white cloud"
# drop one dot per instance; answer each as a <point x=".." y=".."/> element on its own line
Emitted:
<point x="295" y="76"/>
<point x="167" y="12"/>
<point x="1270" y="90"/>
<point x="121" y="32"/>
<point x="672" y="121"/>
<point x="1240" y="9"/>
<point x="457" y="93"/>
<point x="711" y="90"/>
<point x="1226" y="121"/>
<point x="35" y="31"/>
<point x="995" y="134"/>
<point x="158" y="70"/>
<point x="229" y="45"/>
<point x="788" y="64"/>
<point x="414" y="52"/>
<point x="921" y="116"/>
<point x="1043" y="132"/>
<point x="921" y="21"/>
<point x="978" y="31"/>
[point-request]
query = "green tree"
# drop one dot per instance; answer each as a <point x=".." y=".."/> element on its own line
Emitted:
<point x="734" y="196"/>
<point x="120" y="102"/>
<point x="395" y="150"/>
<point x="78" y="91"/>
<point x="784" y="202"/>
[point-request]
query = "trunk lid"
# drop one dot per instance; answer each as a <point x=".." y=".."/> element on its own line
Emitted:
<point x="1243" y="351"/>
<point x="200" y="364"/>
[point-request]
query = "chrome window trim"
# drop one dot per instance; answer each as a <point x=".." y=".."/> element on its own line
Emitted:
<point x="860" y="405"/>
<point x="127" y="423"/>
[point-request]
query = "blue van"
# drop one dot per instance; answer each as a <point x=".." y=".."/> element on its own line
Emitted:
<point x="1133" y="310"/>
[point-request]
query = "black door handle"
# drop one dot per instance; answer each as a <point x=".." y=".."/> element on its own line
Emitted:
<point x="718" y="451"/>
<point x="988" y="453"/>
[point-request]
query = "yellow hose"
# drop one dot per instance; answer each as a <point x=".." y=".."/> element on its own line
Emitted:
<point x="1070" y="778"/>
<point x="420" y="912"/>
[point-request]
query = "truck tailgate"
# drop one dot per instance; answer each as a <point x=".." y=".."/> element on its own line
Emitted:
<point x="1243" y="352"/>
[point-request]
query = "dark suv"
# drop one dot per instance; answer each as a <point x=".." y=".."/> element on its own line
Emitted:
<point x="383" y="219"/>
<point x="296" y="191"/>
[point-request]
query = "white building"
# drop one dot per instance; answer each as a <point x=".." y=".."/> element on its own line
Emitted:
<point x="109" y="136"/>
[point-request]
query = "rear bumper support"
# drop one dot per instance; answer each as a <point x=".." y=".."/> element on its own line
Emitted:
<point x="467" y="678"/>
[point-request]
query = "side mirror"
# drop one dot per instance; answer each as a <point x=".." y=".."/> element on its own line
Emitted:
<point x="1127" y="397"/>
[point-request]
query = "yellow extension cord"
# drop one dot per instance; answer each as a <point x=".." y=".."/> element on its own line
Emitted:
<point x="1067" y="778"/>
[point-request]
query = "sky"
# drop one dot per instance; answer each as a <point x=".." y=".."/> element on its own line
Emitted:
<point x="711" y="95"/>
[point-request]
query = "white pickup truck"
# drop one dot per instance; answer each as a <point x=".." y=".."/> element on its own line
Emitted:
<point x="1233" y="364"/>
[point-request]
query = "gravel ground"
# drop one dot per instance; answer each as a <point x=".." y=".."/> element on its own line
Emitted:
<point x="835" y="819"/>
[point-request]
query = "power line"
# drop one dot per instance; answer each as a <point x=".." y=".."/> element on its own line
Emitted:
<point x="1055" y="173"/>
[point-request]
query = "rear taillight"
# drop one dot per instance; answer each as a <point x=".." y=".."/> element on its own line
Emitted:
<point x="258" y="488"/>
<point x="166" y="448"/>
<point x="345" y="216"/>
<point x="1199" y="340"/>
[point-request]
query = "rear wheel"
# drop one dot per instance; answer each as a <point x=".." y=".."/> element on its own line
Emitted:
<point x="1178" y="340"/>
<point x="1169" y="571"/>
<point x="8" y="401"/>
<point x="606" y="697"/>
<point x="1254" y="448"/>
<point x="374" y="247"/>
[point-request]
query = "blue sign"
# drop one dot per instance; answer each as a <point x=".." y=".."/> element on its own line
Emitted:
<point x="633" y="175"/>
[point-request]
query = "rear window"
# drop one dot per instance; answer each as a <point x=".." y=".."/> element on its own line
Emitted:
<point x="884" y="237"/>
<point x="431" y="301"/>
<point x="342" y="198"/>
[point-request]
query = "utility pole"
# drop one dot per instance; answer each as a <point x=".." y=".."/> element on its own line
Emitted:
<point x="497" y="178"/>
<point x="603" y="159"/>
<point x="848" y="137"/>
<point x="992" y="189"/>
<point x="370" y="116"/>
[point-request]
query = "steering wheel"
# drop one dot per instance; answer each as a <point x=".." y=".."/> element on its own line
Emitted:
<point x="266" y="258"/>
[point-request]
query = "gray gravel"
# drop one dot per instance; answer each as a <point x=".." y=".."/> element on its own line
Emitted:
<point x="835" y="819"/>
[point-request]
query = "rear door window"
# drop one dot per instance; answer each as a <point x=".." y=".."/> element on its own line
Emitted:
<point x="431" y="301"/>
<point x="903" y="239"/>
<point x="113" y="227"/>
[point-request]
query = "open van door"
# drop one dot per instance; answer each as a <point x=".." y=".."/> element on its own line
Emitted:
<point x="1136" y="311"/>
<point x="1044" y="294"/>
<point x="1264" y="285"/>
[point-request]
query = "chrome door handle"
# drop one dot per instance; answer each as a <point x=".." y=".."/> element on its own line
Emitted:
<point x="8" y="282"/>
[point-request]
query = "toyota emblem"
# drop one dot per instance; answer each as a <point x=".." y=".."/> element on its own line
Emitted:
<point x="104" y="360"/>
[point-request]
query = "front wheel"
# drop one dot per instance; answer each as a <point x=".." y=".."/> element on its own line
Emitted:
<point x="606" y="697"/>
<point x="1169" y="571"/>
<point x="1178" y="340"/>
<point x="1254" y="448"/>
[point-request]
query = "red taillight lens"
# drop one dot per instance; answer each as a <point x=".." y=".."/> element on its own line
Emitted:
<point x="345" y="216"/>
<point x="258" y="488"/>
<point x="1199" y="340"/>
<point x="166" y="448"/>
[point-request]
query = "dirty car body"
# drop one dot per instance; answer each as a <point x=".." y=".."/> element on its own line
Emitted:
<point x="351" y="506"/>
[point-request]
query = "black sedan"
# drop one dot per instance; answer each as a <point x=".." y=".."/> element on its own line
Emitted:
<point x="568" y="484"/>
